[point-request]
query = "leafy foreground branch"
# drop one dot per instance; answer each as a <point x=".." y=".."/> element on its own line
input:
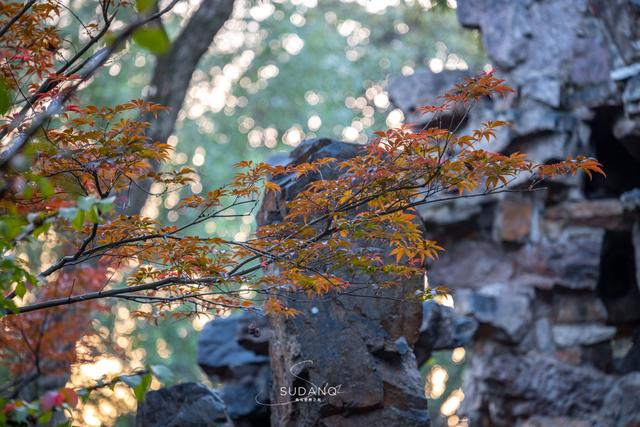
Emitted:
<point x="372" y="199"/>
<point x="65" y="182"/>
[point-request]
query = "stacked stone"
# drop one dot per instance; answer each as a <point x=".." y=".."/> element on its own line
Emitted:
<point x="551" y="276"/>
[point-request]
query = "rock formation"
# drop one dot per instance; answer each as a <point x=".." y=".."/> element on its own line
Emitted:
<point x="228" y="354"/>
<point x="183" y="405"/>
<point x="551" y="276"/>
<point x="360" y="343"/>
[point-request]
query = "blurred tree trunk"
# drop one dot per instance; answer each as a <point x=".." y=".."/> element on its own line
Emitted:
<point x="172" y="76"/>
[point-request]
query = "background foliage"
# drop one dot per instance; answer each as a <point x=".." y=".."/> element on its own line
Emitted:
<point x="279" y="72"/>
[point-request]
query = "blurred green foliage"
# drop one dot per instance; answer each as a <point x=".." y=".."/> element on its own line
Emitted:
<point x="278" y="72"/>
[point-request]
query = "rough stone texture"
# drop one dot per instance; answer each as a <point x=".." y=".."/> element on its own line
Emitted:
<point x="219" y="347"/>
<point x="515" y="218"/>
<point x="621" y="408"/>
<point x="361" y="344"/>
<point x="510" y="387"/>
<point x="442" y="329"/>
<point x="234" y="351"/>
<point x="571" y="307"/>
<point x="506" y="314"/>
<point x="409" y="93"/>
<point x="552" y="277"/>
<point x="582" y="334"/>
<point x="183" y="405"/>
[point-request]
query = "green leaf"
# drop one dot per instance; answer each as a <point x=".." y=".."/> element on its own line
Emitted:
<point x="21" y="289"/>
<point x="141" y="389"/>
<point x="45" y="418"/>
<point x="92" y="214"/>
<point x="27" y="192"/>
<point x="144" y="5"/>
<point x="8" y="304"/>
<point x="5" y="96"/>
<point x="106" y="205"/>
<point x="45" y="187"/>
<point x="78" y="221"/>
<point x="42" y="229"/>
<point x="153" y="39"/>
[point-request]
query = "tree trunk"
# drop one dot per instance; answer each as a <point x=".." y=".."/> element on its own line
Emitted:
<point x="172" y="76"/>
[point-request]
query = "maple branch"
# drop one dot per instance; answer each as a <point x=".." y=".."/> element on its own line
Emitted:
<point x="115" y="292"/>
<point x="92" y="64"/>
<point x="84" y="254"/>
<point x="15" y="17"/>
<point x="172" y="76"/>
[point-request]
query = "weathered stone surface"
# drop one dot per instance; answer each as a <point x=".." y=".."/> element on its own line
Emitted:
<point x="621" y="407"/>
<point x="554" y="422"/>
<point x="471" y="264"/>
<point x="569" y="307"/>
<point x="636" y="249"/>
<point x="631" y="360"/>
<point x="515" y="219"/>
<point x="452" y="212"/>
<point x="235" y="351"/>
<point x="419" y="89"/>
<point x="575" y="66"/>
<point x="631" y="96"/>
<point x="183" y="405"/>
<point x="583" y="334"/>
<point x="631" y="200"/>
<point x="242" y="395"/>
<point x="514" y="387"/>
<point x="605" y="213"/>
<point x="360" y="343"/>
<point x="504" y="312"/>
<point x="442" y="329"/>
<point x="219" y="349"/>
<point x="571" y="260"/>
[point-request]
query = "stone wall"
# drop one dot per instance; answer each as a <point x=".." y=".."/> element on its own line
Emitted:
<point x="551" y="276"/>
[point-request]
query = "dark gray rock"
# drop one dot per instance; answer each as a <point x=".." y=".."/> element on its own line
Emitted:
<point x="468" y="263"/>
<point x="442" y="329"/>
<point x="511" y="388"/>
<point x="358" y="343"/>
<point x="568" y="259"/>
<point x="235" y="351"/>
<point x="581" y="334"/>
<point x="219" y="344"/>
<point x="569" y="307"/>
<point x="505" y="313"/>
<point x="631" y="96"/>
<point x="621" y="407"/>
<point x="183" y="405"/>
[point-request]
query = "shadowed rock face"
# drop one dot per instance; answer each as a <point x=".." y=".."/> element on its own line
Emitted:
<point x="234" y="351"/>
<point x="442" y="329"/>
<point x="361" y="344"/>
<point x="183" y="405"/>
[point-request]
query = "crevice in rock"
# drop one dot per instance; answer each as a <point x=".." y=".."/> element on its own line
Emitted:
<point x="621" y="167"/>
<point x="617" y="283"/>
